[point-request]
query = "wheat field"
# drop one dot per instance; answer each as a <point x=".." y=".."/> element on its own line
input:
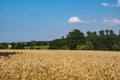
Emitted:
<point x="59" y="65"/>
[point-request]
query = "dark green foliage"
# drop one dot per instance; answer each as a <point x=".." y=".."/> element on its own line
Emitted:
<point x="74" y="38"/>
<point x="57" y="44"/>
<point x="18" y="46"/>
<point x="101" y="32"/>
<point x="3" y="46"/>
<point x="104" y="41"/>
<point x="37" y="48"/>
<point x="116" y="47"/>
<point x="89" y="46"/>
<point x="31" y="47"/>
<point x="37" y="43"/>
<point x="23" y="45"/>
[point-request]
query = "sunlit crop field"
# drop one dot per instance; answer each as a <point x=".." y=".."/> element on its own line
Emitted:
<point x="59" y="65"/>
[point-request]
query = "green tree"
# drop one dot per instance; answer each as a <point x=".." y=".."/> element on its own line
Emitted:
<point x="119" y="38"/>
<point x="89" y="33"/>
<point x="19" y="46"/>
<point x="116" y="47"/>
<point x="111" y="32"/>
<point x="74" y="38"/>
<point x="87" y="46"/>
<point x="107" y="32"/>
<point x="58" y="44"/>
<point x="3" y="46"/>
<point x="101" y="32"/>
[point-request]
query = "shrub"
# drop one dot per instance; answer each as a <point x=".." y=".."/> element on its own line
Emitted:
<point x="116" y="47"/>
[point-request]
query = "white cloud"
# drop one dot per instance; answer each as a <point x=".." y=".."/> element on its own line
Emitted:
<point x="105" y="4"/>
<point x="78" y="20"/>
<point x="111" y="21"/>
<point x="112" y="5"/>
<point x="74" y="20"/>
<point x="118" y="4"/>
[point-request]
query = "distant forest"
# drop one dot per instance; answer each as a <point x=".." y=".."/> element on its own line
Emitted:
<point x="74" y="40"/>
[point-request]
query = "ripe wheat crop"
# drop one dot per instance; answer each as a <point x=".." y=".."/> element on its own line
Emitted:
<point x="59" y="65"/>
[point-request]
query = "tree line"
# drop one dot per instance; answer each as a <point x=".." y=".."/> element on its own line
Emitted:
<point x="22" y="45"/>
<point x="75" y="40"/>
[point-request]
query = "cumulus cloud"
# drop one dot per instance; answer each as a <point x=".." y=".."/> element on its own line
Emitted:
<point x="111" y="21"/>
<point x="74" y="20"/>
<point x="112" y="5"/>
<point x="105" y="4"/>
<point x="118" y="4"/>
<point x="78" y="20"/>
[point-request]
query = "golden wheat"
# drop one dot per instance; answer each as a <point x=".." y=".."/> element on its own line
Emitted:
<point x="59" y="65"/>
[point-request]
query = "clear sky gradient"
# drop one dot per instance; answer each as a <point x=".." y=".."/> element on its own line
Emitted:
<point x="26" y="20"/>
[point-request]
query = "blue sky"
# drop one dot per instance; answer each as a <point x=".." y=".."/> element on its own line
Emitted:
<point x="26" y="20"/>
